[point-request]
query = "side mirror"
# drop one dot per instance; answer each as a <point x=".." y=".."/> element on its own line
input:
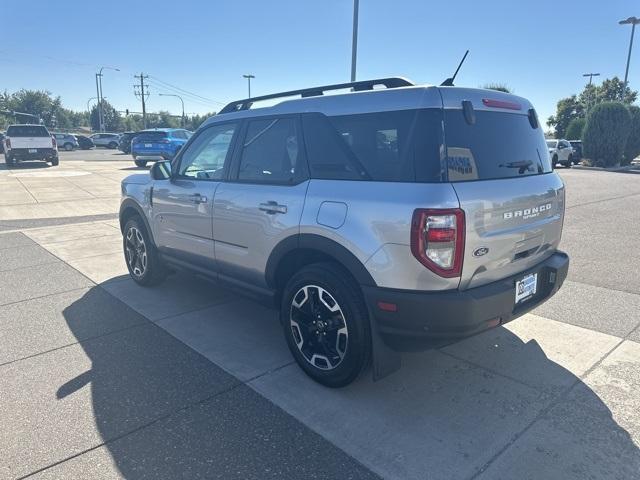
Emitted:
<point x="161" y="170"/>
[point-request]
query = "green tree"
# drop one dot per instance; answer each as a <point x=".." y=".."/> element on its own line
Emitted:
<point x="111" y="117"/>
<point x="575" y="128"/>
<point x="632" y="148"/>
<point x="613" y="90"/>
<point x="567" y="110"/>
<point x="605" y="133"/>
<point x="500" y="87"/>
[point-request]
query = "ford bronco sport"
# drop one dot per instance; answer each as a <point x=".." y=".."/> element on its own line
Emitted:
<point x="378" y="220"/>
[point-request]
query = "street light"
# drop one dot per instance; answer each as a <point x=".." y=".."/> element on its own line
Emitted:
<point x="633" y="21"/>
<point x="181" y="101"/>
<point x="89" y="110"/>
<point x="249" y="77"/>
<point x="591" y="75"/>
<point x="354" y="41"/>
<point x="99" y="92"/>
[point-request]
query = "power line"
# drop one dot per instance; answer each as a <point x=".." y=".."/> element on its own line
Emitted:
<point x="186" y="96"/>
<point x="187" y="91"/>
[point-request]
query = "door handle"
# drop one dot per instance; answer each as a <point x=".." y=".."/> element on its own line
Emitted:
<point x="272" y="207"/>
<point x="197" y="198"/>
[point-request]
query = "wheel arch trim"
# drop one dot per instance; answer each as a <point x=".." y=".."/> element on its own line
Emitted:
<point x="128" y="205"/>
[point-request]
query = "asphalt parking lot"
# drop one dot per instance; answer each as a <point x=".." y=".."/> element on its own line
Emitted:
<point x="100" y="378"/>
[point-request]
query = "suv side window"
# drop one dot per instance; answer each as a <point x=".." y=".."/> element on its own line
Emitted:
<point x="205" y="157"/>
<point x="178" y="134"/>
<point x="271" y="151"/>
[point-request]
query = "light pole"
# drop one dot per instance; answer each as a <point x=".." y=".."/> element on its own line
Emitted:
<point x="633" y="21"/>
<point x="590" y="75"/>
<point x="354" y="41"/>
<point x="249" y="77"/>
<point x="181" y="101"/>
<point x="89" y="110"/>
<point x="100" y="97"/>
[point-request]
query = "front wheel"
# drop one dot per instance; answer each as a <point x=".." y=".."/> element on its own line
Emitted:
<point x="141" y="256"/>
<point x="113" y="145"/>
<point x="326" y="324"/>
<point x="141" y="163"/>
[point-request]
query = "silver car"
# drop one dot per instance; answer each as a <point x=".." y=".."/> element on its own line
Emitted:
<point x="66" y="141"/>
<point x="106" y="140"/>
<point x="377" y="221"/>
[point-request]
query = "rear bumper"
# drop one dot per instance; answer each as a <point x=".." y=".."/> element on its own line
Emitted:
<point x="432" y="319"/>
<point x="165" y="153"/>
<point x="39" y="154"/>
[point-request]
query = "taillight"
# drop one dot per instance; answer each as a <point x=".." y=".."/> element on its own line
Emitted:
<point x="437" y="240"/>
<point x="8" y="142"/>
<point x="163" y="141"/>
<point x="53" y="142"/>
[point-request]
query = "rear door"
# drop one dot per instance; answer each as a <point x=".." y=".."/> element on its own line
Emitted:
<point x="182" y="206"/>
<point x="499" y="166"/>
<point x="262" y="202"/>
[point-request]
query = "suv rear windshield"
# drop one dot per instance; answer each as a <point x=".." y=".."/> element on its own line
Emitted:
<point x="498" y="145"/>
<point x="395" y="146"/>
<point x="27" y="131"/>
<point x="147" y="136"/>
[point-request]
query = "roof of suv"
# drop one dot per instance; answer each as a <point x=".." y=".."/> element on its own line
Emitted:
<point x="382" y="99"/>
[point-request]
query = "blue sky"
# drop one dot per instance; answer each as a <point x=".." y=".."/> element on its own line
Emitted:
<point x="538" y="48"/>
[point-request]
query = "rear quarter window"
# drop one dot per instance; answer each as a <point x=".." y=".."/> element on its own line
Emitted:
<point x="498" y="145"/>
<point x="27" y="131"/>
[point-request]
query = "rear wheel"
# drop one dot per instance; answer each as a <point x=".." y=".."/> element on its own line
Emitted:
<point x="113" y="145"/>
<point x="55" y="161"/>
<point x="326" y="324"/>
<point x="68" y="147"/>
<point x="141" y="163"/>
<point x="8" y="159"/>
<point x="141" y="256"/>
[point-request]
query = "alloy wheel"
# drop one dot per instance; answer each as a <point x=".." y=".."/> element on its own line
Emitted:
<point x="318" y="327"/>
<point x="136" y="252"/>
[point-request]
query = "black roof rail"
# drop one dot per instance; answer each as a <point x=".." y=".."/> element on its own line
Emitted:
<point x="391" y="82"/>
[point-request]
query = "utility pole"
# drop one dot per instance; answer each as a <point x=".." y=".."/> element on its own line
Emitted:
<point x="100" y="97"/>
<point x="142" y="94"/>
<point x="354" y="41"/>
<point x="590" y="75"/>
<point x="249" y="77"/>
<point x="633" y="21"/>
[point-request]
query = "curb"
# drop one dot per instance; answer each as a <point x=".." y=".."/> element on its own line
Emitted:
<point x="626" y="168"/>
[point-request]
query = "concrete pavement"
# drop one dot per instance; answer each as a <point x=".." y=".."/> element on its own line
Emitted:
<point x="105" y="379"/>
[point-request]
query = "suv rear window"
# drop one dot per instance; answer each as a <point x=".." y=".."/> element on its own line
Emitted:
<point x="498" y="145"/>
<point x="397" y="146"/>
<point x="27" y="131"/>
<point x="146" y="136"/>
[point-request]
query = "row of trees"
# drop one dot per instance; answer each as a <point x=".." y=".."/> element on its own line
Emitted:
<point x="43" y="105"/>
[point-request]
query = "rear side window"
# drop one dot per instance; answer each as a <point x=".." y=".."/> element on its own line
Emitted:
<point x="271" y="152"/>
<point x="399" y="146"/>
<point x="498" y="145"/>
<point x="27" y="131"/>
<point x="151" y="136"/>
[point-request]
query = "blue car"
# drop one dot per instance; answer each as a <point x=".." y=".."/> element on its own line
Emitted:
<point x="158" y="144"/>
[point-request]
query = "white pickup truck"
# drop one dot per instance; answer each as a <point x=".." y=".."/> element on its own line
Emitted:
<point x="29" y="142"/>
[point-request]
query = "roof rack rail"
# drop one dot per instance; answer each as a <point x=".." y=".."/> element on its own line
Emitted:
<point x="391" y="82"/>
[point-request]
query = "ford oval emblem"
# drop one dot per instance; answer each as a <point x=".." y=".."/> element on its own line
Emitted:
<point x="478" y="252"/>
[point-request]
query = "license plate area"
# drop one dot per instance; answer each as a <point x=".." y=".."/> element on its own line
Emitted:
<point x="33" y="150"/>
<point x="526" y="287"/>
<point x="148" y="145"/>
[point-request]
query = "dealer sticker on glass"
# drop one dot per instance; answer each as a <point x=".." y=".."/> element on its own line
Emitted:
<point x="526" y="287"/>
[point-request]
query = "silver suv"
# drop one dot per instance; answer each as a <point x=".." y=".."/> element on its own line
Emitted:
<point x="379" y="220"/>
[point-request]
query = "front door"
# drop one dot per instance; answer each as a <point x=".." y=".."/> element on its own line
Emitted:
<point x="262" y="202"/>
<point x="182" y="206"/>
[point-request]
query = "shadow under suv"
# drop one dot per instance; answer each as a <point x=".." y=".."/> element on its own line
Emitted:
<point x="379" y="220"/>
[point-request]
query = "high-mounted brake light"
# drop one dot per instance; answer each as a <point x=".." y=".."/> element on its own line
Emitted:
<point x="437" y="240"/>
<point x="491" y="102"/>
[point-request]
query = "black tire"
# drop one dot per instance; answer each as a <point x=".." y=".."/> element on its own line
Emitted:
<point x="113" y="145"/>
<point x="8" y="159"/>
<point x="68" y="147"/>
<point x="344" y="336"/>
<point x="145" y="272"/>
<point x="141" y="163"/>
<point x="55" y="161"/>
<point x="554" y="161"/>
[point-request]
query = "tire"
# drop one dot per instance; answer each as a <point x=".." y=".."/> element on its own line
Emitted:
<point x="554" y="161"/>
<point x="141" y="257"/>
<point x="68" y="147"/>
<point x="339" y="350"/>
<point x="55" y="161"/>
<point x="8" y="159"/>
<point x="141" y="163"/>
<point x="113" y="145"/>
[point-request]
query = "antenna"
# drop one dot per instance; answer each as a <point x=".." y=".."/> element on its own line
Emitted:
<point x="449" y="81"/>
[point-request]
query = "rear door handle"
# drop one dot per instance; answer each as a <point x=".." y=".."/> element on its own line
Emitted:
<point x="272" y="207"/>
<point x="197" y="198"/>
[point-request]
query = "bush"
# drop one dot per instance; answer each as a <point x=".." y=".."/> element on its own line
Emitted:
<point x="632" y="149"/>
<point x="605" y="134"/>
<point x="575" y="129"/>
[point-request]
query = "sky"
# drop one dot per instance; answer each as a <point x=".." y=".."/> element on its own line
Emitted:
<point x="201" y="49"/>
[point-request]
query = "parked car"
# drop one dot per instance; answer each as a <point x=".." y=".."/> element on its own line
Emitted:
<point x="29" y="142"/>
<point x="560" y="151"/>
<point x="1" y="142"/>
<point x="380" y="218"/>
<point x="85" y="143"/>
<point x="124" y="145"/>
<point x="66" y="141"/>
<point x="577" y="151"/>
<point x="158" y="144"/>
<point x="106" y="140"/>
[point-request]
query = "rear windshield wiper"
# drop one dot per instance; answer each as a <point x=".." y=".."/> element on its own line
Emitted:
<point x="522" y="165"/>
